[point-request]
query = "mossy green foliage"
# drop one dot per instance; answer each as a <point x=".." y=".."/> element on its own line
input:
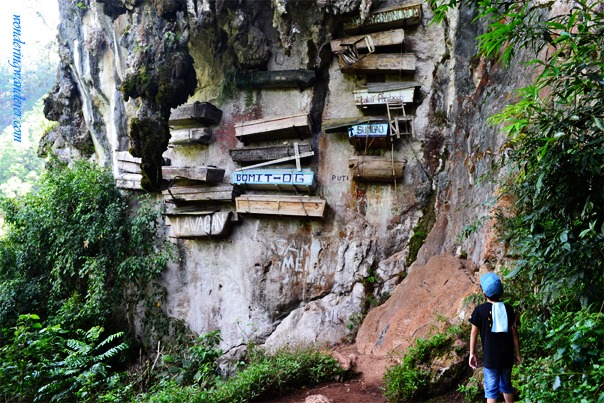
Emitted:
<point x="72" y="251"/>
<point x="265" y="375"/>
<point x="422" y="229"/>
<point x="149" y="138"/>
<point x="411" y="378"/>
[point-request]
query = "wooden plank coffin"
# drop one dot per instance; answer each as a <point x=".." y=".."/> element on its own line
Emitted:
<point x="298" y="206"/>
<point x="387" y="18"/>
<point x="293" y="126"/>
<point x="199" y="173"/>
<point x="191" y="136"/>
<point x="379" y="39"/>
<point x="370" y="135"/>
<point x="129" y="181"/>
<point x="281" y="179"/>
<point x="371" y="168"/>
<point x="382" y="63"/>
<point x="275" y="79"/>
<point x="126" y="163"/>
<point x="189" y="226"/>
<point x="218" y="193"/>
<point x="203" y="113"/>
<point x="380" y="94"/>
<point x="262" y="154"/>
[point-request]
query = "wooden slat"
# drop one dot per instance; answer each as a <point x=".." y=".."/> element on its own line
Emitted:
<point x="380" y="39"/>
<point x="387" y="18"/>
<point x="203" y="113"/>
<point x="219" y="193"/>
<point x="275" y="79"/>
<point x="191" y="136"/>
<point x="298" y="206"/>
<point x="372" y="168"/>
<point x="293" y="126"/>
<point x="262" y="154"/>
<point x="199" y="173"/>
<point x="382" y="63"/>
<point x="218" y="224"/>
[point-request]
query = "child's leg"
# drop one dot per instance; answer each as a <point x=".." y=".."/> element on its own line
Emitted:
<point x="505" y="384"/>
<point x="491" y="384"/>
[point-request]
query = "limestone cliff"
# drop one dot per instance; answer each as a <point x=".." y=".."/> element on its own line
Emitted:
<point x="125" y="64"/>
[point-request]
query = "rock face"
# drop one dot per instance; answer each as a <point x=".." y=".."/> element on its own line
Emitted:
<point x="435" y="289"/>
<point x="285" y="280"/>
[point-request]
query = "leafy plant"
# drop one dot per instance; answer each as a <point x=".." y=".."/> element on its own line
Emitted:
<point x="49" y="364"/>
<point x="412" y="376"/>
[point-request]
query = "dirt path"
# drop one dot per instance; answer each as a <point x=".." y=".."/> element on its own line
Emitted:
<point x="364" y="388"/>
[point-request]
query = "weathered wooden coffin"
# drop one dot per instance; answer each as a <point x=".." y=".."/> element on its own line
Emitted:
<point x="275" y="79"/>
<point x="218" y="193"/>
<point x="379" y="39"/>
<point x="382" y="63"/>
<point x="200" y="173"/>
<point x="191" y="136"/>
<point x="371" y="168"/>
<point x="217" y="224"/>
<point x="129" y="181"/>
<point x="299" y="206"/>
<point x="293" y="126"/>
<point x="370" y="135"/>
<point x="282" y="179"/>
<point x="261" y="154"/>
<point x="387" y="18"/>
<point x="203" y="113"/>
<point x="380" y="94"/>
<point x="126" y="163"/>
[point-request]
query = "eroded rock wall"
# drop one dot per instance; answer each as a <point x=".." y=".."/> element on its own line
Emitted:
<point x="279" y="280"/>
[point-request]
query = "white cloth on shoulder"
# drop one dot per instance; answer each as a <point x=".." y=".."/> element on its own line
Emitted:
<point x="500" y="318"/>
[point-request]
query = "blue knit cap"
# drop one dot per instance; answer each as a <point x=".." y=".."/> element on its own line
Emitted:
<point x="491" y="284"/>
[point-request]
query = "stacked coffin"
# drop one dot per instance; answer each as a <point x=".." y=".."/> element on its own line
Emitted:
<point x="195" y="194"/>
<point x="257" y="172"/>
<point x="375" y="47"/>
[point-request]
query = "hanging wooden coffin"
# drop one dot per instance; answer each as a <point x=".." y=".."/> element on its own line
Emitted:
<point x="191" y="136"/>
<point x="382" y="63"/>
<point x="298" y="206"/>
<point x="199" y="173"/>
<point x="292" y="126"/>
<point x="196" y="194"/>
<point x="263" y="154"/>
<point x="371" y="168"/>
<point x="282" y="179"/>
<point x="378" y="39"/>
<point x="126" y="163"/>
<point x="387" y="18"/>
<point x="129" y="181"/>
<point x="218" y="224"/>
<point x="370" y="135"/>
<point x="275" y="79"/>
<point x="198" y="113"/>
<point x="380" y="94"/>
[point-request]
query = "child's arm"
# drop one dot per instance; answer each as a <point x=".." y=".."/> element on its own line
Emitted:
<point x="516" y="344"/>
<point x="473" y="338"/>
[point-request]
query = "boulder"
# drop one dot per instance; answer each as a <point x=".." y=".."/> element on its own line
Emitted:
<point x="436" y="289"/>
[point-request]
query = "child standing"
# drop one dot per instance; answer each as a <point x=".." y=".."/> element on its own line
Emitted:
<point x="496" y="322"/>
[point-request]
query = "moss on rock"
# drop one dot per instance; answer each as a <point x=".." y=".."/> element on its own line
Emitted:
<point x="149" y="138"/>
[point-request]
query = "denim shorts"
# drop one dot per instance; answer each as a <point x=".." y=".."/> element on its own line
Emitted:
<point x="497" y="380"/>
